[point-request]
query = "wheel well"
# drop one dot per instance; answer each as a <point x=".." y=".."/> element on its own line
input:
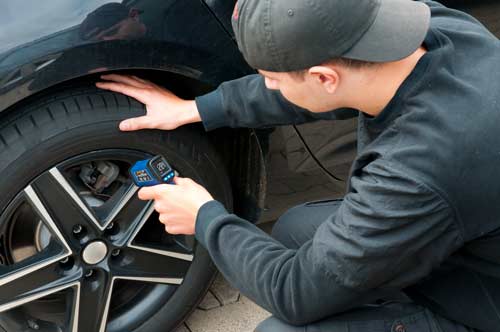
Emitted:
<point x="239" y="148"/>
<point x="247" y="172"/>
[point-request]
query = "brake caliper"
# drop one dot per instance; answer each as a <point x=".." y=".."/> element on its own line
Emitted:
<point x="98" y="176"/>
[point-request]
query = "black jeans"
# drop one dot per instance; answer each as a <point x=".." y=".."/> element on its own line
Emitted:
<point x="395" y="314"/>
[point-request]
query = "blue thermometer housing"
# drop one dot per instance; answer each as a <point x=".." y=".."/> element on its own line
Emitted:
<point x="151" y="172"/>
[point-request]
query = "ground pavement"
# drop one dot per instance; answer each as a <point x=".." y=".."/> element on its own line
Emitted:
<point x="224" y="309"/>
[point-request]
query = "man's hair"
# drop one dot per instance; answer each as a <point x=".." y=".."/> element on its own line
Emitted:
<point x="344" y="62"/>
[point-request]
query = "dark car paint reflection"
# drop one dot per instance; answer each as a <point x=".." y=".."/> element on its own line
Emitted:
<point x="80" y="37"/>
<point x="44" y="18"/>
<point x="113" y="21"/>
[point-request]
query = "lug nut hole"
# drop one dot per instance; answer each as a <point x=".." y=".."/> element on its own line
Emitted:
<point x="67" y="263"/>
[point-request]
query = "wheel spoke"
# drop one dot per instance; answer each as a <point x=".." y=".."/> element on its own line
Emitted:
<point x="174" y="251"/>
<point x="54" y="198"/>
<point x="136" y="225"/>
<point x="31" y="286"/>
<point x="53" y="253"/>
<point x="160" y="267"/>
<point x="91" y="304"/>
<point x="131" y="218"/>
<point x="121" y="207"/>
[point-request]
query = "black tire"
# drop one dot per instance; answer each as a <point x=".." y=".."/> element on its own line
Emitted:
<point x="69" y="123"/>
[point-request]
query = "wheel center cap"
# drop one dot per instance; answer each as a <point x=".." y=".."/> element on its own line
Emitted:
<point x="95" y="252"/>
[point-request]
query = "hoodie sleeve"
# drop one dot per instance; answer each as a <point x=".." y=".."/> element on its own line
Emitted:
<point x="389" y="232"/>
<point x="246" y="102"/>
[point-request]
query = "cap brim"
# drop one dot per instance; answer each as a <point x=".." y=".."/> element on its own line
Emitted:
<point x="398" y="30"/>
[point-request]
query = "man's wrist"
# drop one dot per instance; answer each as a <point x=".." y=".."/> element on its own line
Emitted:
<point x="211" y="110"/>
<point x="192" y="113"/>
<point x="207" y="213"/>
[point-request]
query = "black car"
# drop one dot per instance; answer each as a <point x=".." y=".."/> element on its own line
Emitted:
<point x="78" y="250"/>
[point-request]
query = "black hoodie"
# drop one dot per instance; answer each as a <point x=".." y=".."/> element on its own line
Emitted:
<point x="422" y="210"/>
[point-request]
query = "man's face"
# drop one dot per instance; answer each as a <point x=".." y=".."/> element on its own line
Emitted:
<point x="129" y="28"/>
<point x="301" y="91"/>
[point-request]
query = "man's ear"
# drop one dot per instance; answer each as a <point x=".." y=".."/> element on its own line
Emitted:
<point x="133" y="13"/>
<point x="328" y="77"/>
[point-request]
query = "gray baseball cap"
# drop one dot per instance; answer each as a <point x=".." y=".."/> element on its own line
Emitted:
<point x="289" y="35"/>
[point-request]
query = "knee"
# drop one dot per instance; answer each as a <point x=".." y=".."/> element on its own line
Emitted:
<point x="273" y="324"/>
<point x="288" y="225"/>
<point x="298" y="225"/>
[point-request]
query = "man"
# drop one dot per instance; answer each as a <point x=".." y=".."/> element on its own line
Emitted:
<point x="420" y="213"/>
<point x="112" y="21"/>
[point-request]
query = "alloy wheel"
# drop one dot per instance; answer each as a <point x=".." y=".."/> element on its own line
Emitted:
<point x="100" y="252"/>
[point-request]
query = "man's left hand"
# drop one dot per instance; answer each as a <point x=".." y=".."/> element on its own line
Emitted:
<point x="177" y="204"/>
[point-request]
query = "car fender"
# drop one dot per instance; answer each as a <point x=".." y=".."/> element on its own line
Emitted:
<point x="181" y="36"/>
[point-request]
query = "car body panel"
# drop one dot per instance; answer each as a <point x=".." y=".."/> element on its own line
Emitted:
<point x="293" y="176"/>
<point x="43" y="44"/>
<point x="223" y="11"/>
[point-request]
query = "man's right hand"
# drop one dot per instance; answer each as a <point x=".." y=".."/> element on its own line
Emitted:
<point x="164" y="110"/>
